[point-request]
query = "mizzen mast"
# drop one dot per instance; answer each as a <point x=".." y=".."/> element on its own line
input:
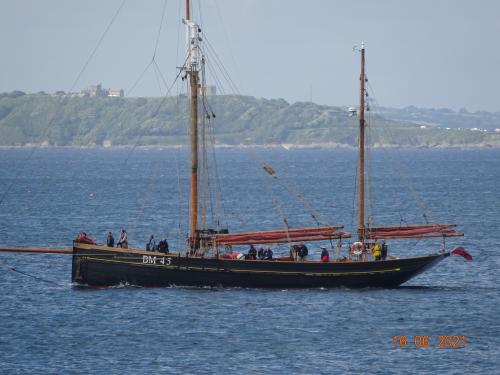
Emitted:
<point x="191" y="68"/>
<point x="361" y="193"/>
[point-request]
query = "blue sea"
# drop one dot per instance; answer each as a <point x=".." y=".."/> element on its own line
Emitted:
<point x="49" y="326"/>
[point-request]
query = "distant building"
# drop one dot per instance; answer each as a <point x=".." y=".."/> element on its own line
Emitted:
<point x="97" y="91"/>
<point x="118" y="93"/>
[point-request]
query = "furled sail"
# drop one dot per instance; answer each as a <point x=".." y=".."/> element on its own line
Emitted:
<point x="281" y="236"/>
<point x="414" y="231"/>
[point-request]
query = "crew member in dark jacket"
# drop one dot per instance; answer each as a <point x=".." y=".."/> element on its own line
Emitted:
<point x="110" y="240"/>
<point x="252" y="253"/>
<point x="151" y="245"/>
<point x="302" y="251"/>
<point x="163" y="246"/>
<point x="260" y="253"/>
<point x="268" y="254"/>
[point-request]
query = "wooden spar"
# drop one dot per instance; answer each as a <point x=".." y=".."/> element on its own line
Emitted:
<point x="40" y="250"/>
<point x="361" y="193"/>
<point x="194" y="152"/>
<point x="193" y="116"/>
<point x="290" y="230"/>
<point x="412" y="226"/>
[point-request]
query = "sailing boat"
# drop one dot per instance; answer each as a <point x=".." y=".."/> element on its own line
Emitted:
<point x="206" y="263"/>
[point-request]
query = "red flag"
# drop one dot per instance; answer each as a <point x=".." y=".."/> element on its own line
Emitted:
<point x="461" y="251"/>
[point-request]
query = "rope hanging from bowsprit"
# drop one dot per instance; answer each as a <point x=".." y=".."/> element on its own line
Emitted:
<point x="15" y="270"/>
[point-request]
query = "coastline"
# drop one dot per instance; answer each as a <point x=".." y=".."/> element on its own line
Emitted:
<point x="286" y="146"/>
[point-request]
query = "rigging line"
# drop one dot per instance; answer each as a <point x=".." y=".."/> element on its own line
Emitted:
<point x="408" y="184"/>
<point x="406" y="180"/>
<point x="63" y="101"/>
<point x="224" y="29"/>
<point x="218" y="83"/>
<point x="314" y="214"/>
<point x="200" y="15"/>
<point x="211" y="69"/>
<point x="146" y="194"/>
<point x="212" y="112"/>
<point x="218" y="190"/>
<point x="355" y="184"/>
<point x="218" y="193"/>
<point x="274" y="197"/>
<point x="218" y="62"/>
<point x="153" y="59"/>
<point x="161" y="74"/>
<point x="210" y="183"/>
<point x="178" y="31"/>
<point x="206" y="104"/>
<point x="98" y="45"/>
<point x="202" y="186"/>
<point x="140" y="77"/>
<point x="278" y="204"/>
<point x="165" y="97"/>
<point x="159" y="29"/>
<point x="206" y="127"/>
<point x="158" y="81"/>
<point x="13" y="269"/>
<point x="293" y="189"/>
<point x="367" y="167"/>
<point x="180" y="193"/>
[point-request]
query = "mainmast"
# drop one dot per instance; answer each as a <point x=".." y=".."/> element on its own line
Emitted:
<point x="361" y="194"/>
<point x="192" y="68"/>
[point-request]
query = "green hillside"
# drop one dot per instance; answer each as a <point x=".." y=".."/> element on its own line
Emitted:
<point x="59" y="120"/>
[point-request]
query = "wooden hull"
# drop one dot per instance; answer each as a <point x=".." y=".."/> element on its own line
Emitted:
<point x="102" y="266"/>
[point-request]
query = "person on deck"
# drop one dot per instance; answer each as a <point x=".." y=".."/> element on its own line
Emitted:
<point x="384" y="250"/>
<point x="110" y="240"/>
<point x="268" y="254"/>
<point x="163" y="246"/>
<point x="260" y="253"/>
<point x="302" y="251"/>
<point x="377" y="251"/>
<point x="325" y="257"/>
<point x="151" y="245"/>
<point x="122" y="241"/>
<point x="252" y="253"/>
<point x="293" y="252"/>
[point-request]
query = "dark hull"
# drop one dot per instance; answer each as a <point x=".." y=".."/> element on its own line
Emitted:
<point x="101" y="266"/>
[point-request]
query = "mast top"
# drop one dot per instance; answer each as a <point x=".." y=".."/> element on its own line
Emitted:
<point x="193" y="46"/>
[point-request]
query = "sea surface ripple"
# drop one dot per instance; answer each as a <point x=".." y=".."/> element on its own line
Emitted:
<point x="49" y="326"/>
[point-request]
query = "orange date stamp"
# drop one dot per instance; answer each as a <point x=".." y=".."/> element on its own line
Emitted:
<point x="426" y="341"/>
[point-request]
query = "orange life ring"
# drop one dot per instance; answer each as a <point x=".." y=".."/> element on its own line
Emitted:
<point x="358" y="248"/>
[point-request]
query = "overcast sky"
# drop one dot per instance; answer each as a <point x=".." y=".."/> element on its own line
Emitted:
<point x="440" y="53"/>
